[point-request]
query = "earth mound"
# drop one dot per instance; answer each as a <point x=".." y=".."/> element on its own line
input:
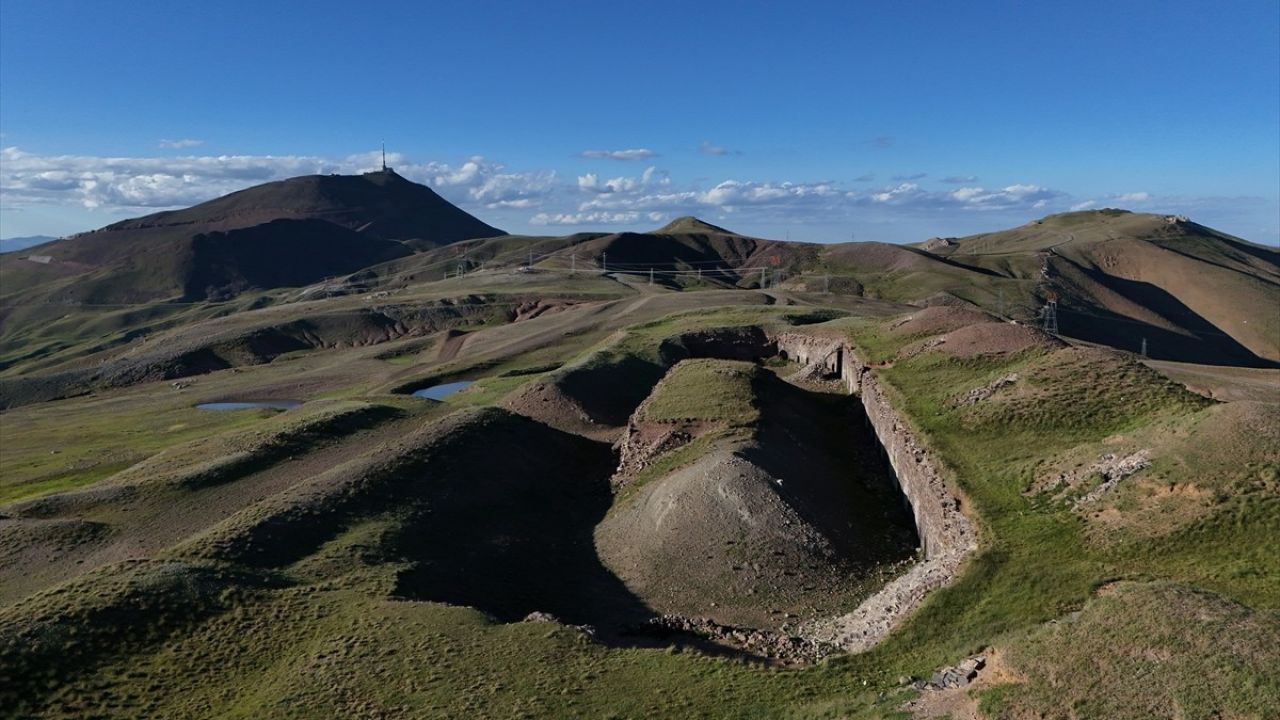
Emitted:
<point x="726" y="526"/>
<point x="940" y="319"/>
<point x="990" y="338"/>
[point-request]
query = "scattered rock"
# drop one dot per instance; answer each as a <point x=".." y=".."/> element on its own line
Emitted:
<point x="766" y="643"/>
<point x="977" y="395"/>
<point x="1111" y="467"/>
<point x="955" y="676"/>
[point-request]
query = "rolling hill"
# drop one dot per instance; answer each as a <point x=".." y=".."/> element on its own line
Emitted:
<point x="278" y="234"/>
<point x="684" y="458"/>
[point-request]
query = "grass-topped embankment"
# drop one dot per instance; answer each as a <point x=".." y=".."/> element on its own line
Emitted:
<point x="1035" y="564"/>
<point x="703" y="390"/>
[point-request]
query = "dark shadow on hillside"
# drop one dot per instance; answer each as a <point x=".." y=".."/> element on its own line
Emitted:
<point x="1209" y="346"/>
<point x="845" y="485"/>
<point x="512" y="534"/>
<point x="610" y="393"/>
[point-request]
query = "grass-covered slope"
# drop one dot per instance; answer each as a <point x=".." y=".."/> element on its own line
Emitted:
<point x="373" y="556"/>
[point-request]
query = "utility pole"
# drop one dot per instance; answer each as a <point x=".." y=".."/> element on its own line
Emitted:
<point x="826" y="284"/>
<point x="1001" y="302"/>
<point x="530" y="257"/>
<point x="1144" y="347"/>
<point x="699" y="274"/>
<point x="763" y="282"/>
<point x="573" y="267"/>
<point x="650" y="276"/>
<point x="604" y="262"/>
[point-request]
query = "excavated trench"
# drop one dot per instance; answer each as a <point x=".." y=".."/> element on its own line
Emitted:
<point x="537" y="527"/>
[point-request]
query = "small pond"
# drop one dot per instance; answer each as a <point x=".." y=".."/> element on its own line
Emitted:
<point x="440" y="392"/>
<point x="249" y="404"/>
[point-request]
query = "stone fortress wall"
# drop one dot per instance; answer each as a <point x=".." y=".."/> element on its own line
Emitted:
<point x="947" y="536"/>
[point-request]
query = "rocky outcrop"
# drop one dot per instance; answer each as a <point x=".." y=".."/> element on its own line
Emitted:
<point x="978" y="394"/>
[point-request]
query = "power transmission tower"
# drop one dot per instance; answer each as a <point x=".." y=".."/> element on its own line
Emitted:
<point x="604" y="261"/>
<point x="1050" y="313"/>
<point x="462" y="262"/>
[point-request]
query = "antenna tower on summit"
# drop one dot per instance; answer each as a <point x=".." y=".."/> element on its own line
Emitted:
<point x="384" y="156"/>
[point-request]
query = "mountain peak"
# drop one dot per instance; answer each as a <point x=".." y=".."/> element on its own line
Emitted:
<point x="690" y="225"/>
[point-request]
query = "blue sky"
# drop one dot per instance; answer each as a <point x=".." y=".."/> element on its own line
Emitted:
<point x="816" y="121"/>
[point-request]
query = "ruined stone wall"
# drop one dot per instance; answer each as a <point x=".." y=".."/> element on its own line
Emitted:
<point x="947" y="536"/>
<point x="826" y="356"/>
<point x="943" y="529"/>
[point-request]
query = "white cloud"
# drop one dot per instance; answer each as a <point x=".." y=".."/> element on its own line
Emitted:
<point x="179" y="144"/>
<point x="629" y="154"/>
<point x="652" y="176"/>
<point x="128" y="185"/>
<point x="1083" y="205"/>
<point x="901" y="193"/>
<point x="136" y="183"/>
<point x="960" y="179"/>
<point x="588" y="218"/>
<point x="1133" y="197"/>
<point x="710" y="148"/>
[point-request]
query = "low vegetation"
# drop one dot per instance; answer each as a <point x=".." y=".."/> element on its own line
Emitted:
<point x="260" y="556"/>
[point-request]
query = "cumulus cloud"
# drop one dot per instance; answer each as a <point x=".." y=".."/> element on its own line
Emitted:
<point x="960" y="179"/>
<point x="128" y="185"/>
<point x="480" y="182"/>
<point x="179" y="144"/>
<point x="594" y="218"/>
<point x="651" y="177"/>
<point x="629" y="154"/>
<point x="911" y="195"/>
<point x="146" y="182"/>
<point x="133" y="183"/>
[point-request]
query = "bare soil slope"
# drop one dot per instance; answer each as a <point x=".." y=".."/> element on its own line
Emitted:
<point x="770" y="507"/>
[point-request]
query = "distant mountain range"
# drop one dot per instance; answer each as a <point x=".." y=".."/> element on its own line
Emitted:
<point x="15" y="244"/>
<point x="1127" y="280"/>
